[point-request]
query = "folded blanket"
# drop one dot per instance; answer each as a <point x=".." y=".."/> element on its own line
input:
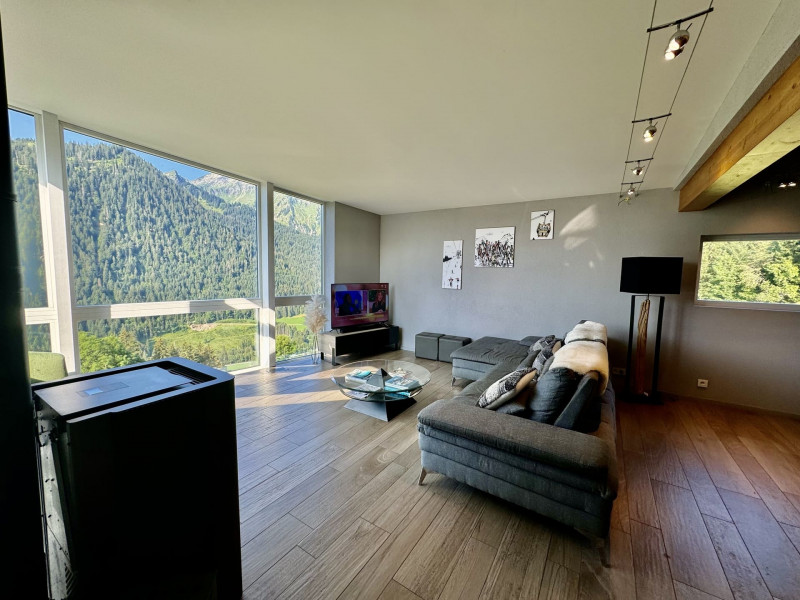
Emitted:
<point x="589" y="331"/>
<point x="582" y="357"/>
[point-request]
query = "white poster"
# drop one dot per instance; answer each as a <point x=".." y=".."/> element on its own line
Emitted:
<point x="542" y="224"/>
<point x="451" y="264"/>
<point x="494" y="247"/>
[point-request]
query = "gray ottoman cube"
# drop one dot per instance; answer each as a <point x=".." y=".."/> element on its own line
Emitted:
<point x="426" y="345"/>
<point x="451" y="343"/>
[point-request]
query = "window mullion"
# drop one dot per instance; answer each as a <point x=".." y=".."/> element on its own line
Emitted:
<point x="58" y="247"/>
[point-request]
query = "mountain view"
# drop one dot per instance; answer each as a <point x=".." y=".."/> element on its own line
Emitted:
<point x="143" y="235"/>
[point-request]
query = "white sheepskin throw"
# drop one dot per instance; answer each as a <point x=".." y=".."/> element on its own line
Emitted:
<point x="583" y="357"/>
<point x="590" y="331"/>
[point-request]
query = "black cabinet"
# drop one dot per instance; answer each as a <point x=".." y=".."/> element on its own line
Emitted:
<point x="139" y="483"/>
<point x="365" y="341"/>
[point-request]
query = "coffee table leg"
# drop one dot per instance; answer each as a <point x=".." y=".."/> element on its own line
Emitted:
<point x="385" y="411"/>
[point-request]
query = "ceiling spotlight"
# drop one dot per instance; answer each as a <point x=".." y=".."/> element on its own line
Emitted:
<point x="631" y="192"/>
<point x="676" y="44"/>
<point x="650" y="132"/>
<point x="792" y="184"/>
<point x="782" y="184"/>
<point x="637" y="170"/>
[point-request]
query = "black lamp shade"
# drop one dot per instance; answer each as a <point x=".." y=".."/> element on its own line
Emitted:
<point x="651" y="275"/>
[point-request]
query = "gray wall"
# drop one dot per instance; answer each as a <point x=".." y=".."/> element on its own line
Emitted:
<point x="749" y="357"/>
<point x="358" y="249"/>
<point x="352" y="245"/>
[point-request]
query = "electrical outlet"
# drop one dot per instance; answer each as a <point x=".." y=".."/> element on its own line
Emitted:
<point x="618" y="371"/>
<point x="702" y="383"/>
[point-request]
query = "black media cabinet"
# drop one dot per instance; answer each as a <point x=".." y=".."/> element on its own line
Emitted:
<point x="364" y="341"/>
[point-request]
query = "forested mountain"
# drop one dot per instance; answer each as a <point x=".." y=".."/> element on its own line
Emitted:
<point x="29" y="222"/>
<point x="230" y="190"/>
<point x="141" y="235"/>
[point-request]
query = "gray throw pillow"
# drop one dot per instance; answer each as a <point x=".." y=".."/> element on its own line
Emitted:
<point x="504" y="389"/>
<point x="552" y="393"/>
<point x="582" y="413"/>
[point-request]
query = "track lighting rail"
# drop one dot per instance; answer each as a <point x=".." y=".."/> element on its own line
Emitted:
<point x="679" y="21"/>
<point x="677" y="44"/>
<point x="651" y="119"/>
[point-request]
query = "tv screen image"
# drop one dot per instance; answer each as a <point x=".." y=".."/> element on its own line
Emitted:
<point x="358" y="304"/>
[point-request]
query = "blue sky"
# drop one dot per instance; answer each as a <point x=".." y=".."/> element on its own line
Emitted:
<point x="23" y="126"/>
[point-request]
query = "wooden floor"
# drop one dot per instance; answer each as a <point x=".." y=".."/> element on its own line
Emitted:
<point x="709" y="506"/>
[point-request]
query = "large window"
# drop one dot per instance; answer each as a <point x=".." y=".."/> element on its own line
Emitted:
<point x="750" y="271"/>
<point x="149" y="232"/>
<point x="224" y="339"/>
<point x="298" y="270"/>
<point x="150" y="229"/>
<point x="28" y="210"/>
<point x="132" y="255"/>
<point x="298" y="245"/>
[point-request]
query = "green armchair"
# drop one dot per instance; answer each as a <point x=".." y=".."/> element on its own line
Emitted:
<point x="46" y="366"/>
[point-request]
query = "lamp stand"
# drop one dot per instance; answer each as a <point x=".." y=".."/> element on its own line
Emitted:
<point x="641" y="352"/>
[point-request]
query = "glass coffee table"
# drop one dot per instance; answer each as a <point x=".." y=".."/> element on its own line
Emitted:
<point x="381" y="388"/>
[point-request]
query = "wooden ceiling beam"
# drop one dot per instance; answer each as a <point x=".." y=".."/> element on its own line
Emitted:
<point x="768" y="132"/>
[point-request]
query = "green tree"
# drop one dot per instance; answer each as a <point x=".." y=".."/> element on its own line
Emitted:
<point x="160" y="349"/>
<point x="104" y="353"/>
<point x="284" y="346"/>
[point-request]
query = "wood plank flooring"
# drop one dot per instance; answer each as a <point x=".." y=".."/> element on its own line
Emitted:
<point x="708" y="506"/>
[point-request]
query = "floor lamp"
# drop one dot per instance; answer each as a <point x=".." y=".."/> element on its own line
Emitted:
<point x="647" y="276"/>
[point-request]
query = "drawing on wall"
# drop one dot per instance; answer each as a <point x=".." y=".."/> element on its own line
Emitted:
<point x="494" y="247"/>
<point x="452" y="258"/>
<point x="542" y="224"/>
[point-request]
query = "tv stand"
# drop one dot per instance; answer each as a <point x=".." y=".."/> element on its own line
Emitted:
<point x="363" y="341"/>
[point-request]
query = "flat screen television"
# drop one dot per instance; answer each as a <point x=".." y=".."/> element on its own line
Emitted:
<point x="359" y="304"/>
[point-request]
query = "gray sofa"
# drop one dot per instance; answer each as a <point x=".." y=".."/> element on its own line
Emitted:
<point x="560" y="473"/>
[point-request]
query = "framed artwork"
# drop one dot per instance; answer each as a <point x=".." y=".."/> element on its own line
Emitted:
<point x="542" y="224"/>
<point x="494" y="247"/>
<point x="452" y="258"/>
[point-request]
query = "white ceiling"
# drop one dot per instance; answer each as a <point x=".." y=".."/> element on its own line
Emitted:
<point x="388" y="106"/>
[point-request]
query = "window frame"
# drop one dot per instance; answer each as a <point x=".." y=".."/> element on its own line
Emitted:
<point x="734" y="237"/>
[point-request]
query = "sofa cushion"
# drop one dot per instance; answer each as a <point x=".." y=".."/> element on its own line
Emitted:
<point x="570" y="450"/>
<point x="490" y="350"/>
<point x="505" y="388"/>
<point x="582" y="413"/>
<point x="552" y="393"/>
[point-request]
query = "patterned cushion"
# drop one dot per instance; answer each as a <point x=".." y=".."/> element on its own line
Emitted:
<point x="546" y="367"/>
<point x="505" y="388"/>
<point x="544" y="342"/>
